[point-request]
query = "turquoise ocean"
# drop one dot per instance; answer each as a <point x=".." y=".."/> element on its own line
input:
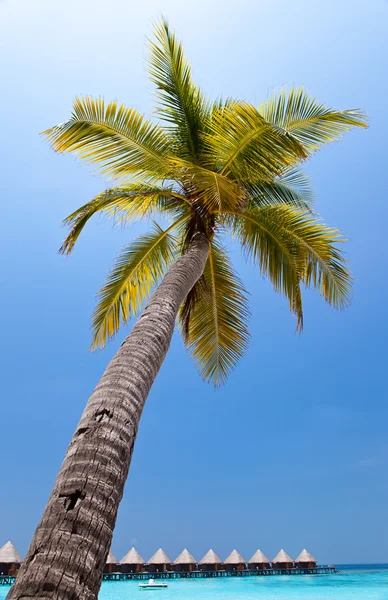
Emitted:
<point x="353" y="582"/>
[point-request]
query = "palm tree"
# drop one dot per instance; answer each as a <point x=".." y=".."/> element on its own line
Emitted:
<point x="210" y="169"/>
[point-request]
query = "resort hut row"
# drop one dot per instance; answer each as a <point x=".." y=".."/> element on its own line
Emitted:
<point x="10" y="559"/>
<point x="284" y="561"/>
<point x="159" y="562"/>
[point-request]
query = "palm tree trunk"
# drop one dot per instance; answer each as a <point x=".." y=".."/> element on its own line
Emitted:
<point x="68" y="552"/>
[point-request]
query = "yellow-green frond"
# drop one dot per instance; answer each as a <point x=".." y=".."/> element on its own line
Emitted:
<point x="262" y="238"/>
<point x="208" y="189"/>
<point x="135" y="272"/>
<point x="181" y="103"/>
<point x="214" y="318"/>
<point x="292" y="246"/>
<point x="308" y="121"/>
<point x="293" y="188"/>
<point x="119" y="140"/>
<point x="244" y="146"/>
<point x="125" y="203"/>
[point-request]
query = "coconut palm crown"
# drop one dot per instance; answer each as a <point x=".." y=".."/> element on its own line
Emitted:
<point x="211" y="168"/>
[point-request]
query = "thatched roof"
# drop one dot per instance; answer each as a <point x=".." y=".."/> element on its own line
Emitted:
<point x="111" y="560"/>
<point x="185" y="558"/>
<point x="234" y="558"/>
<point x="305" y="556"/>
<point x="9" y="554"/>
<point x="132" y="558"/>
<point x="282" y="557"/>
<point x="259" y="557"/>
<point x="210" y="558"/>
<point x="160" y="558"/>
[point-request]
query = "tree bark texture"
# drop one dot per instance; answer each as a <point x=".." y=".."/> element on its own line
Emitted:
<point x="69" y="549"/>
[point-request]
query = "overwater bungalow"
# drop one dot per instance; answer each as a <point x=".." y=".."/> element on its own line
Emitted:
<point x="210" y="562"/>
<point x="185" y="562"/>
<point x="159" y="562"/>
<point x="132" y="562"/>
<point x="282" y="561"/>
<point x="259" y="561"/>
<point x="111" y="563"/>
<point x="305" y="560"/>
<point x="10" y="559"/>
<point x="235" y="562"/>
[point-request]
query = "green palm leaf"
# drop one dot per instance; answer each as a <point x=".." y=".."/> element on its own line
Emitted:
<point x="211" y="167"/>
<point x="292" y="188"/>
<point x="181" y="103"/>
<point x="292" y="246"/>
<point x="310" y="123"/>
<point x="214" y="318"/>
<point x="116" y="138"/>
<point x="244" y="146"/>
<point x="207" y="188"/>
<point x="138" y="268"/>
<point x="126" y="203"/>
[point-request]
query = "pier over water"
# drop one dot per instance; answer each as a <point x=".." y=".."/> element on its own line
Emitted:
<point x="8" y="580"/>
<point x="205" y="574"/>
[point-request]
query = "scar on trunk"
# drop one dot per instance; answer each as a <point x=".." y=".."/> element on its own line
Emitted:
<point x="33" y="556"/>
<point x="72" y="500"/>
<point x="103" y="414"/>
<point x="82" y="430"/>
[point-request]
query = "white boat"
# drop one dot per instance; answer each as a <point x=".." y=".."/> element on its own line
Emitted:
<point x="152" y="585"/>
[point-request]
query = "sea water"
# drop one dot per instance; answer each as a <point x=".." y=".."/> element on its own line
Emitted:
<point x="353" y="582"/>
<point x="367" y="582"/>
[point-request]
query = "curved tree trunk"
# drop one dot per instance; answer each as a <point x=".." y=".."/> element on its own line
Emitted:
<point x="69" y="549"/>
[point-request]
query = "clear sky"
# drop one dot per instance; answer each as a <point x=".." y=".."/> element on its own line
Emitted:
<point x="293" y="451"/>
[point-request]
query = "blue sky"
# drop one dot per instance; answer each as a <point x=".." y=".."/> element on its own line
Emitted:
<point x="293" y="451"/>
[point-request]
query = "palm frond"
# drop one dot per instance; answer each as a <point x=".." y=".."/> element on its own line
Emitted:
<point x="195" y="294"/>
<point x="292" y="188"/>
<point x="207" y="188"/>
<point x="292" y="246"/>
<point x="214" y="318"/>
<point x="306" y="120"/>
<point x="136" y="271"/>
<point x="211" y="167"/>
<point x="244" y="146"/>
<point x="119" y="140"/>
<point x="262" y="239"/>
<point x="181" y="103"/>
<point x="126" y="203"/>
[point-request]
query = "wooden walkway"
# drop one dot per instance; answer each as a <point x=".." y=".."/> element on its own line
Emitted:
<point x="8" y="580"/>
<point x="205" y="574"/>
